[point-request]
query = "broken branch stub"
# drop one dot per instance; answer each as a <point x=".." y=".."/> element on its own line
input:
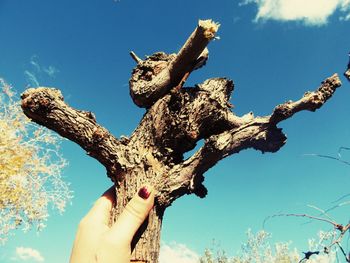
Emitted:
<point x="159" y="73"/>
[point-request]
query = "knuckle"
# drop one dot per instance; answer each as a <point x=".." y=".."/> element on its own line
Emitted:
<point x="84" y="223"/>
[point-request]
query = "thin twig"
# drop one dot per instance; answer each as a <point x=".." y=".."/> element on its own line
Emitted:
<point x="342" y="148"/>
<point x="336" y="206"/>
<point x="135" y="57"/>
<point x="341" y="198"/>
<point x="309" y="216"/>
<point x="328" y="157"/>
<point x="342" y="250"/>
<point x="341" y="228"/>
<point x="323" y="212"/>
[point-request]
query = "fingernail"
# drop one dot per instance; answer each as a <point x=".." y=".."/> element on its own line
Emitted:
<point x="144" y="193"/>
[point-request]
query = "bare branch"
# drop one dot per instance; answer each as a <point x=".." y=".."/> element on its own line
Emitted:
<point x="343" y="252"/>
<point x="341" y="198"/>
<point x="323" y="212"/>
<point x="328" y="157"/>
<point x="259" y="133"/>
<point x="161" y="77"/>
<point x="339" y="227"/>
<point x="342" y="148"/>
<point x="45" y="106"/>
<point x="311" y="101"/>
<point x="336" y="225"/>
<point x="135" y="57"/>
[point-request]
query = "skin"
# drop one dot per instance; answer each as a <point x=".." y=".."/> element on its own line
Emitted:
<point x="98" y="242"/>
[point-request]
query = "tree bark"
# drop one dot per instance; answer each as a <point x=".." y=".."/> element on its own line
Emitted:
<point x="175" y="120"/>
<point x="347" y="72"/>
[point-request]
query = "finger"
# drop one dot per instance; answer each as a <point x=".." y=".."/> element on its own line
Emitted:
<point x="134" y="214"/>
<point x="101" y="211"/>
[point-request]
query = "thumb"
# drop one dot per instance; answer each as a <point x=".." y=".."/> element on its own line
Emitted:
<point x="134" y="214"/>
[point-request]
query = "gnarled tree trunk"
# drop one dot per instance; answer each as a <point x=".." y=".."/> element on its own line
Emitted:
<point x="176" y="119"/>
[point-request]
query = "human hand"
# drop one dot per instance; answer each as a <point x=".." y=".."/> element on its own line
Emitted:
<point x="97" y="242"/>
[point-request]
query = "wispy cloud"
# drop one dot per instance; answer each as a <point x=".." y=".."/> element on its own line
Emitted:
<point x="34" y="63"/>
<point x="51" y="71"/>
<point x="175" y="253"/>
<point x="310" y="12"/>
<point x="28" y="254"/>
<point x="31" y="78"/>
<point x="35" y="71"/>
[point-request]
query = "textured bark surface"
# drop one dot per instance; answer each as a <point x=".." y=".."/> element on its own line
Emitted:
<point x="175" y="120"/>
<point x="347" y="72"/>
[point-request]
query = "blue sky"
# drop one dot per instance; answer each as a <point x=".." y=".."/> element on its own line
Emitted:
<point x="273" y="54"/>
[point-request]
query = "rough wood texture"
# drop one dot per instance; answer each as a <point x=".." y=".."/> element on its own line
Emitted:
<point x="347" y="72"/>
<point x="176" y="119"/>
<point x="155" y="76"/>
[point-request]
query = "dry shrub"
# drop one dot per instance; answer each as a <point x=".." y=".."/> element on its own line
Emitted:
<point x="258" y="249"/>
<point x="30" y="169"/>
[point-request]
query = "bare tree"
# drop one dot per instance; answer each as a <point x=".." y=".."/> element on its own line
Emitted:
<point x="176" y="119"/>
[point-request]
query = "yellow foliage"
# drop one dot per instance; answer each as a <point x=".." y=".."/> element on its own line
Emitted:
<point x="30" y="169"/>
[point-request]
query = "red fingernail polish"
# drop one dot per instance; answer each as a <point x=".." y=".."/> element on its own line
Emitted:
<point x="144" y="193"/>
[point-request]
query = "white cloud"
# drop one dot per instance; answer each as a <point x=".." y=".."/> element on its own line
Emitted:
<point x="177" y="253"/>
<point x="310" y="12"/>
<point x="34" y="63"/>
<point x="31" y="78"/>
<point x="51" y="71"/>
<point x="36" y="72"/>
<point x="27" y="253"/>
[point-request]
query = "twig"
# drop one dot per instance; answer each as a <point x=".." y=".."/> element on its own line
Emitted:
<point x="135" y="57"/>
<point x="341" y="198"/>
<point x="323" y="212"/>
<point x="308" y="255"/>
<point x="342" y="250"/>
<point x="341" y="228"/>
<point x="342" y="148"/>
<point x="328" y="157"/>
<point x="336" y="206"/>
<point x="336" y="225"/>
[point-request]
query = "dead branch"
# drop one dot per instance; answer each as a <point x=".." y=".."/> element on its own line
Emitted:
<point x="185" y="115"/>
<point x="342" y="229"/>
<point x="46" y="107"/>
<point x="157" y="75"/>
<point x="310" y="101"/>
<point x="259" y="133"/>
<point x="135" y="57"/>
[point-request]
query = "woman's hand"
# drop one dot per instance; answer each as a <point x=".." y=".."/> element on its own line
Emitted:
<point x="97" y="242"/>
